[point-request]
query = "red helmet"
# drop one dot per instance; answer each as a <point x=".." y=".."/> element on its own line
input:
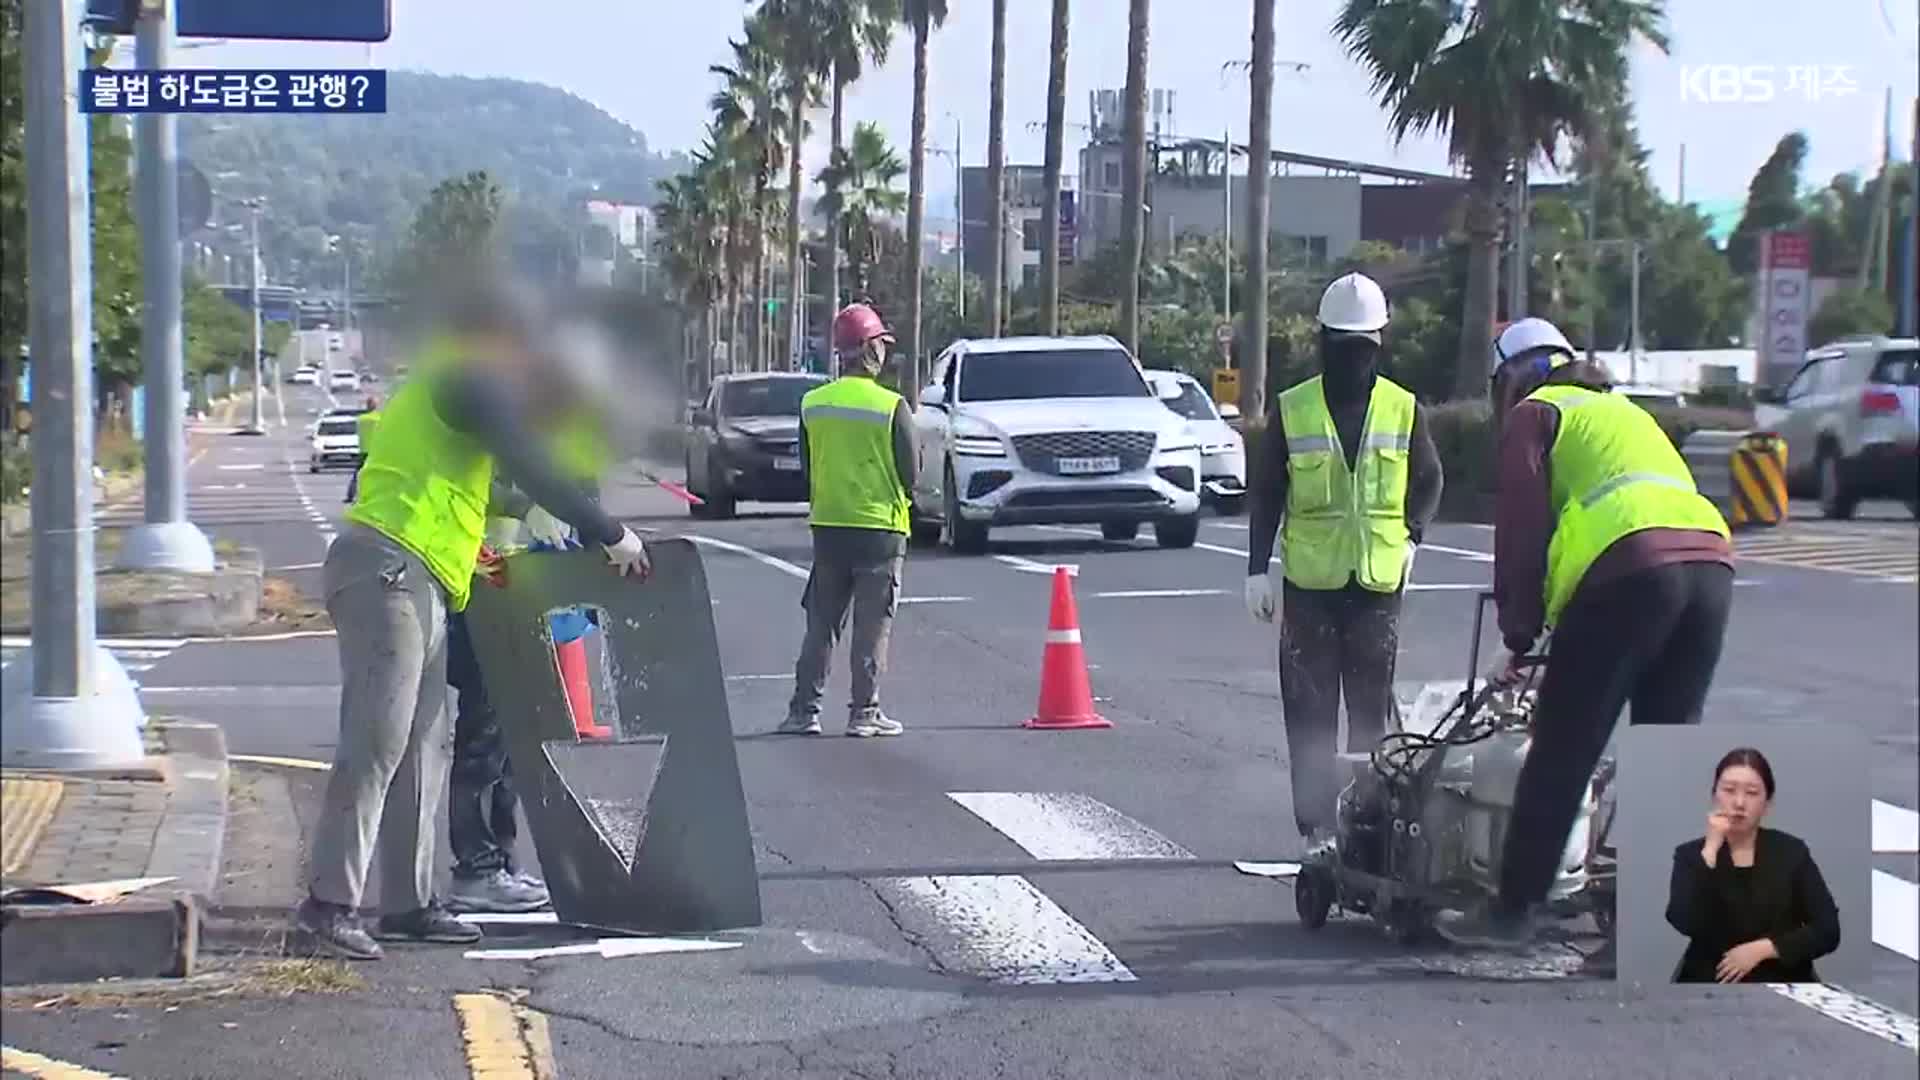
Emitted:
<point x="856" y="325"/>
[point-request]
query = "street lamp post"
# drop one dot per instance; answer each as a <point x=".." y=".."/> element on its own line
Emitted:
<point x="258" y="426"/>
<point x="165" y="540"/>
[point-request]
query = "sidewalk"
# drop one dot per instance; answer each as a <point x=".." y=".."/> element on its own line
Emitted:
<point x="148" y="837"/>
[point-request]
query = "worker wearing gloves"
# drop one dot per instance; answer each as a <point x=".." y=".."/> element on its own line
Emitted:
<point x="1601" y="537"/>
<point x="856" y="444"/>
<point x="407" y="557"/>
<point x="1349" y="466"/>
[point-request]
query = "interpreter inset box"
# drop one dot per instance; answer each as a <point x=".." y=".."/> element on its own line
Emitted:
<point x="1745" y="855"/>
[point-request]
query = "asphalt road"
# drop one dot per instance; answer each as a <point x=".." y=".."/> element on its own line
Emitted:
<point x="974" y="899"/>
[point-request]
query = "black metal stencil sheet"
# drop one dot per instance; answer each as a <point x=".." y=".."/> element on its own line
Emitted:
<point x="648" y="833"/>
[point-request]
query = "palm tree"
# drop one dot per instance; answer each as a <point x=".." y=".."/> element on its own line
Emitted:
<point x="688" y="238"/>
<point x="1506" y="85"/>
<point x="853" y="33"/>
<point x="924" y="17"/>
<point x="748" y="108"/>
<point x="1133" y="178"/>
<point x="996" y="170"/>
<point x="861" y="193"/>
<point x="1056" y="135"/>
<point x="1253" y="338"/>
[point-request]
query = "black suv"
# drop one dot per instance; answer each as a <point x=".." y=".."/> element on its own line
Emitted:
<point x="745" y="442"/>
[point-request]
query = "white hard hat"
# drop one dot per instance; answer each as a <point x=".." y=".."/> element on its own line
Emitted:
<point x="1527" y="335"/>
<point x="1354" y="305"/>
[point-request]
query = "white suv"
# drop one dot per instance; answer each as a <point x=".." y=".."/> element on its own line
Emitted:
<point x="1051" y="431"/>
<point x="1851" y="419"/>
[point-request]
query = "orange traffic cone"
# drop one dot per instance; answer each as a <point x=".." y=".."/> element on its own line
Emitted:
<point x="572" y="661"/>
<point x="1066" y="698"/>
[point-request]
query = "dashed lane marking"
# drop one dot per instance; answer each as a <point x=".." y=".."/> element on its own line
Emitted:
<point x="1149" y="594"/>
<point x="504" y="1039"/>
<point x="1853" y="1010"/>
<point x="1049" y="825"/>
<point x="1896" y="829"/>
<point x="1002" y="929"/>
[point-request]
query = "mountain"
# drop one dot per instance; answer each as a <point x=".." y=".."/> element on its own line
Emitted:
<point x="362" y="176"/>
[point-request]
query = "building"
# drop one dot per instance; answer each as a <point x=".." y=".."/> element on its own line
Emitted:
<point x="1419" y="217"/>
<point x="1026" y="189"/>
<point x="610" y="231"/>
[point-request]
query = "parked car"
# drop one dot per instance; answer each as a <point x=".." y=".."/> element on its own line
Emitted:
<point x="336" y="441"/>
<point x="1051" y="431"/>
<point x="1851" y="420"/>
<point x="1223" y="453"/>
<point x="1646" y="396"/>
<point x="744" y="442"/>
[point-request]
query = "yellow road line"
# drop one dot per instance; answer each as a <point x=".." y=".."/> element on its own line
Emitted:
<point x="504" y="1040"/>
<point x="283" y="762"/>
<point x="41" y="1067"/>
<point x="27" y="804"/>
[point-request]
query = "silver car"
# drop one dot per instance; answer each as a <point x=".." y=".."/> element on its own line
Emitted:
<point x="1851" y="419"/>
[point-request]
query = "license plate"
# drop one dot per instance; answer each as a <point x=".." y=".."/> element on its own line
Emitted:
<point x="1088" y="466"/>
<point x="787" y="464"/>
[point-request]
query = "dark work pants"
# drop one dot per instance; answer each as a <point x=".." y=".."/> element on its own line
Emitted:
<point x="480" y="796"/>
<point x="1333" y="643"/>
<point x="1651" y="640"/>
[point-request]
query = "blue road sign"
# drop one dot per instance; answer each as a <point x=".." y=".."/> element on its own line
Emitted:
<point x="333" y="20"/>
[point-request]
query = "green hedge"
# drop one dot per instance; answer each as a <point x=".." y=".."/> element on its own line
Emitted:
<point x="1463" y="435"/>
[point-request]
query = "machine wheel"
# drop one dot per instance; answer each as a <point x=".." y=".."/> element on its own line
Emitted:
<point x="1119" y="530"/>
<point x="1408" y="922"/>
<point x="964" y="537"/>
<point x="1836" y="502"/>
<point x="1313" y="896"/>
<point x="1180" y="532"/>
<point x="1603" y="912"/>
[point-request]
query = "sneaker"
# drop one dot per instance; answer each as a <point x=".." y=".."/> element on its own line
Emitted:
<point x="428" y="924"/>
<point x="799" y="725"/>
<point x="332" y="930"/>
<point x="498" y="891"/>
<point x="1487" y="927"/>
<point x="869" y="727"/>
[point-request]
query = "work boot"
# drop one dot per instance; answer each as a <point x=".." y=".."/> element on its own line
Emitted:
<point x="497" y="891"/>
<point x="874" y="726"/>
<point x="1487" y="926"/>
<point x="332" y="930"/>
<point x="799" y="725"/>
<point x="431" y="924"/>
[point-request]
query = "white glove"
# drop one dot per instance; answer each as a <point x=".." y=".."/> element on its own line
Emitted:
<point x="629" y="555"/>
<point x="1500" y="670"/>
<point x="1260" y="597"/>
<point x="544" y="528"/>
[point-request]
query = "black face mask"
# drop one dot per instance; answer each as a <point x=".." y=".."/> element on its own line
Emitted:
<point x="1348" y="365"/>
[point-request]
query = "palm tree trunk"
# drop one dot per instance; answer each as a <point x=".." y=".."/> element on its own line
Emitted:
<point x="916" y="212"/>
<point x="756" y="336"/>
<point x="796" y="303"/>
<point x="832" y="291"/>
<point x="1133" y="173"/>
<point x="733" y="288"/>
<point x="1253" y="335"/>
<point x="996" y="171"/>
<point x="1056" y="134"/>
<point x="1483" y="282"/>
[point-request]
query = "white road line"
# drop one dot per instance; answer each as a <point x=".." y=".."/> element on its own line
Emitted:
<point x="759" y="678"/>
<point x="299" y="566"/>
<point x="1240" y="526"/>
<point x="241" y="468"/>
<point x="154" y="646"/>
<point x="1030" y="567"/>
<point x="936" y="600"/>
<point x="608" y="949"/>
<point x="1067" y="825"/>
<point x="1896" y="829"/>
<point x="1896" y="914"/>
<point x="1005" y="930"/>
<point x="1148" y="594"/>
<point x="1465" y="553"/>
<point x="790" y="569"/>
<point x="1854" y="1011"/>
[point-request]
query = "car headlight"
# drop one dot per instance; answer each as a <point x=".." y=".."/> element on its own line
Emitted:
<point x="1220" y="448"/>
<point x="979" y="446"/>
<point x="1179" y="447"/>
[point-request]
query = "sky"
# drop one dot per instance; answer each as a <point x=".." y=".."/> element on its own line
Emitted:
<point x="646" y="62"/>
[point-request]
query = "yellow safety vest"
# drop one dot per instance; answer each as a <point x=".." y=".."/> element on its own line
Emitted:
<point x="850" y="468"/>
<point x="1614" y="472"/>
<point x="368" y="422"/>
<point x="1346" y="523"/>
<point x="425" y="486"/>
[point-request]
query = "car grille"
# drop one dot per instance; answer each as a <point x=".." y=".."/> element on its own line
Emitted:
<point x="1042" y="453"/>
<point x="779" y="447"/>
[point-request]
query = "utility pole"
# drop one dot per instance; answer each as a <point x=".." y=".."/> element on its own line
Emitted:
<point x="1908" y="276"/>
<point x="166" y="540"/>
<point x="258" y="426"/>
<point x="82" y="712"/>
<point x="1226" y="233"/>
<point x="1633" y="319"/>
<point x="959" y="218"/>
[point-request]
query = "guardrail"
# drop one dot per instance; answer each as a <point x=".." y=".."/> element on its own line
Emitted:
<point x="1744" y="473"/>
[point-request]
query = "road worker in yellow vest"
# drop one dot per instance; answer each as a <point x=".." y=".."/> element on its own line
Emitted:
<point x="1349" y="478"/>
<point x="1601" y="538"/>
<point x="856" y="444"/>
<point x="478" y="398"/>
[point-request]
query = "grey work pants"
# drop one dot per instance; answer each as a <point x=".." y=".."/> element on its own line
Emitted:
<point x="857" y="569"/>
<point x="390" y="767"/>
<point x="1334" y="643"/>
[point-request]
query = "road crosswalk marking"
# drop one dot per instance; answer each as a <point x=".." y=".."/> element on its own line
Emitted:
<point x="134" y="654"/>
<point x="1067" y="825"/>
<point x="1884" y="554"/>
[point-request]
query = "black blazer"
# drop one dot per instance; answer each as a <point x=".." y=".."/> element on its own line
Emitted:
<point x="1782" y="897"/>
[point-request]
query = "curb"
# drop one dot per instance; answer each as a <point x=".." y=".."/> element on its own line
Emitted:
<point x="189" y="842"/>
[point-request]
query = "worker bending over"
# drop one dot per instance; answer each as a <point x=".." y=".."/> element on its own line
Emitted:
<point x="1601" y="537"/>
<point x="1347" y="462"/>
<point x="856" y="444"/>
<point x="406" y="558"/>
